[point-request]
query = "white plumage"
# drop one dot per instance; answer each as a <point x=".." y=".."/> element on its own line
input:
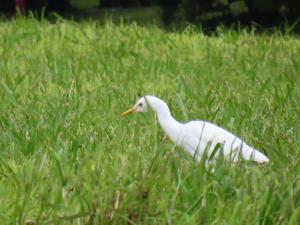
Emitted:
<point x="198" y="137"/>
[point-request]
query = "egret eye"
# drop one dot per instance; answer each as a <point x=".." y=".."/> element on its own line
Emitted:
<point x="140" y="104"/>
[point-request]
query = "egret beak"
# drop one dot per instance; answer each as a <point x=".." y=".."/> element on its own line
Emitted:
<point x="128" y="112"/>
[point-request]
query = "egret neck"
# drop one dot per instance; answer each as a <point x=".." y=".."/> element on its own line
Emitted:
<point x="170" y="126"/>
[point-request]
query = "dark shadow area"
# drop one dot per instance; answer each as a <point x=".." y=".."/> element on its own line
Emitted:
<point x="172" y="15"/>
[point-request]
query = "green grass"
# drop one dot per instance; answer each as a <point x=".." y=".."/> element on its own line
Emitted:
<point x="84" y="4"/>
<point x="83" y="9"/>
<point x="67" y="157"/>
<point x="141" y="16"/>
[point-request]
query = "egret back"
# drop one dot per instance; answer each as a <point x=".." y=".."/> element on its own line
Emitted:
<point x="198" y="137"/>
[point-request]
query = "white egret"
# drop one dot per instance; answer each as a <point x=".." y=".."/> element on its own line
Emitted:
<point x="198" y="137"/>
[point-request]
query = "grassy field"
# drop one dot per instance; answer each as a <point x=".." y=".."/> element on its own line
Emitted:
<point x="141" y="15"/>
<point x="84" y="4"/>
<point x="67" y="157"/>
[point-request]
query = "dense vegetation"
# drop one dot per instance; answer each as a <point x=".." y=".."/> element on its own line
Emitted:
<point x="195" y="11"/>
<point x="11" y="5"/>
<point x="67" y="157"/>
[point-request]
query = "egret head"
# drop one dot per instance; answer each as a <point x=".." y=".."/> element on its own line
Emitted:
<point x="146" y="103"/>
